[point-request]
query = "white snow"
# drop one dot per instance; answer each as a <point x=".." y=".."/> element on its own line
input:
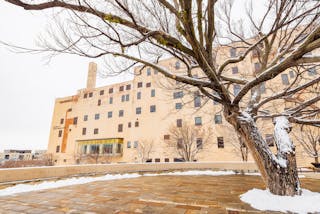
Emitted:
<point x="195" y="172"/>
<point x="281" y="135"/>
<point x="20" y="188"/>
<point x="259" y="199"/>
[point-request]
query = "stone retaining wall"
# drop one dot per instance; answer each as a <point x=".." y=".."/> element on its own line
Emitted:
<point x="40" y="173"/>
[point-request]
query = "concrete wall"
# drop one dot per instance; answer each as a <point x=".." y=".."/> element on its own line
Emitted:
<point x="39" y="173"/>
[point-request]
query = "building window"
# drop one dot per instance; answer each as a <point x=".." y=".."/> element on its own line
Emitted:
<point x="135" y="144"/>
<point x="179" y="122"/>
<point x="75" y="120"/>
<point x="270" y="140"/>
<point x="95" y="131"/>
<point x="84" y="131"/>
<point x="123" y="98"/>
<point x="101" y="92"/>
<point x="148" y="71"/>
<point x="85" y="117"/>
<point x="285" y="79"/>
<point x="166" y="137"/>
<point x="128" y="144"/>
<point x="153" y="108"/>
<point x="233" y="52"/>
<point x="110" y="90"/>
<point x="139" y="84"/>
<point x="85" y="95"/>
<point x="312" y="71"/>
<point x="136" y="124"/>
<point x="90" y="94"/>
<point x="121" y="112"/>
<point x="178" y="94"/>
<point x="198" y="121"/>
<point x="257" y="67"/>
<point x="138" y="95"/>
<point x="291" y="74"/>
<point x="157" y="160"/>
<point x="121" y="88"/>
<point x="177" y="65"/>
<point x="120" y="127"/>
<point x="197" y="99"/>
<point x="220" y="142"/>
<point x="153" y="93"/>
<point x="94" y="149"/>
<point x="148" y="85"/>
<point x="109" y="114"/>
<point x="178" y="105"/>
<point x="60" y="133"/>
<point x="138" y="110"/>
<point x="99" y="102"/>
<point x="263" y="87"/>
<point x="61" y="121"/>
<point x="235" y="70"/>
<point x="57" y="149"/>
<point x="199" y="143"/>
<point x="179" y="143"/>
<point x="218" y="119"/>
<point x="128" y="87"/>
<point x="107" y="149"/>
<point x="110" y="100"/>
<point x="129" y="125"/>
<point x="127" y="97"/>
<point x="97" y="116"/>
<point x="166" y="160"/>
<point x="236" y="89"/>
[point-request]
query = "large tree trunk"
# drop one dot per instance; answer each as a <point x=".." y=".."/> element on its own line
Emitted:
<point x="278" y="172"/>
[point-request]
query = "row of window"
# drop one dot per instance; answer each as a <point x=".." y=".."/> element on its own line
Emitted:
<point x="121" y="88"/>
<point x="126" y="97"/>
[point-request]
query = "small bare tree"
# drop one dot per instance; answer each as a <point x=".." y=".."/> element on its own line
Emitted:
<point x="144" y="149"/>
<point x="309" y="138"/>
<point x="188" y="140"/>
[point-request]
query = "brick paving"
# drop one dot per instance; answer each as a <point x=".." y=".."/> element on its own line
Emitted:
<point x="160" y="194"/>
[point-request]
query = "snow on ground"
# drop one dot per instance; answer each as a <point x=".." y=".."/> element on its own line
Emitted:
<point x="20" y="188"/>
<point x="259" y="199"/>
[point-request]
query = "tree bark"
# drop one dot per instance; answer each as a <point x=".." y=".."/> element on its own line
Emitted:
<point x="280" y="176"/>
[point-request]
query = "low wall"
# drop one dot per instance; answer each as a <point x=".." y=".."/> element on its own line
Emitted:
<point x="40" y="173"/>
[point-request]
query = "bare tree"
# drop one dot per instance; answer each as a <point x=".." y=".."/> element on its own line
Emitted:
<point x="144" y="149"/>
<point x="188" y="140"/>
<point x="199" y="33"/>
<point x="309" y="138"/>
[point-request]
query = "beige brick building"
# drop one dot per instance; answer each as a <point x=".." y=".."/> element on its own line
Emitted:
<point x="110" y="123"/>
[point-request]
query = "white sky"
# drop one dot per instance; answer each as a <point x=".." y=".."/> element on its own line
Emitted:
<point x="29" y="85"/>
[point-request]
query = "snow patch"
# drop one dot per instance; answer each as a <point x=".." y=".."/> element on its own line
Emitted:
<point x="20" y="188"/>
<point x="196" y="172"/>
<point x="307" y="202"/>
<point x="281" y="135"/>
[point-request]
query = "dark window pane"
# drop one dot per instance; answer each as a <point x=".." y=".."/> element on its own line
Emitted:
<point x="220" y="142"/>
<point x="285" y="79"/>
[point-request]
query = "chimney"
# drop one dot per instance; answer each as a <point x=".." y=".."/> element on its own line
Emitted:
<point x="92" y="75"/>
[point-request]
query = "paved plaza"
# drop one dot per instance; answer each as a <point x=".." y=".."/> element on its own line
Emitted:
<point x="160" y="194"/>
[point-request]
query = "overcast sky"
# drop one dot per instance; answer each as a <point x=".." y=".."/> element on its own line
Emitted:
<point x="28" y="84"/>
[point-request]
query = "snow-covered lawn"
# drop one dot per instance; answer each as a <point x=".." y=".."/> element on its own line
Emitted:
<point x="20" y="188"/>
<point x="308" y="202"/>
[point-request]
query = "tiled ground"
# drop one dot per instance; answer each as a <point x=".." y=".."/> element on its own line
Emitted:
<point x="161" y="194"/>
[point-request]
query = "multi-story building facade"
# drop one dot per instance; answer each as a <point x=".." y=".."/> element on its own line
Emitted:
<point x="110" y="123"/>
